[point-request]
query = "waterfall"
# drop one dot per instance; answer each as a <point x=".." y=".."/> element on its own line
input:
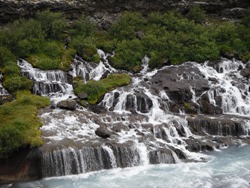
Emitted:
<point x="74" y="161"/>
<point x="141" y="124"/>
<point x="53" y="83"/>
<point x="232" y="87"/>
<point x="3" y="91"/>
<point x="91" y="71"/>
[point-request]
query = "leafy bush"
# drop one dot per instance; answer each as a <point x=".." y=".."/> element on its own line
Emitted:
<point x="53" y="24"/>
<point x="96" y="89"/>
<point x="197" y="14"/>
<point x="15" y="83"/>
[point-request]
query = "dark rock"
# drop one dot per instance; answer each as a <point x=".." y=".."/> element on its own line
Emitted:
<point x="130" y="102"/>
<point x="120" y="127"/>
<point x="203" y="125"/>
<point x="162" y="155"/>
<point x="83" y="96"/>
<point x="144" y="103"/>
<point x="218" y="100"/>
<point x="245" y="72"/>
<point x="103" y="132"/>
<point x="67" y="104"/>
<point x="235" y="13"/>
<point x="198" y="145"/>
<point x="177" y="83"/>
<point x="104" y="13"/>
<point x="248" y="64"/>
<point x="22" y="165"/>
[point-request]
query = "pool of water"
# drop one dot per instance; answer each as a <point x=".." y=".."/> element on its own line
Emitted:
<point x="229" y="168"/>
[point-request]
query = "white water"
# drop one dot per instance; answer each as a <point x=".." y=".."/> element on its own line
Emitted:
<point x="3" y="91"/>
<point x="150" y="133"/>
<point x="230" y="85"/>
<point x="224" y="169"/>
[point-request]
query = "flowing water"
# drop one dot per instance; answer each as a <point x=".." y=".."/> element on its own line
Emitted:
<point x="141" y="127"/>
<point x="224" y="169"/>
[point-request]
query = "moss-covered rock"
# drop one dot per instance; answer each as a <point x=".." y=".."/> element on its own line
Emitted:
<point x="95" y="90"/>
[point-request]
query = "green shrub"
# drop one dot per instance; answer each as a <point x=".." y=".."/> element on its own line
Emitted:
<point x="96" y="89"/>
<point x="53" y="24"/>
<point x="197" y="14"/>
<point x="15" y="83"/>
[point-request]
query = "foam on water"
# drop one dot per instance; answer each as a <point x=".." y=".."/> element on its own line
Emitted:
<point x="225" y="169"/>
<point x="147" y="133"/>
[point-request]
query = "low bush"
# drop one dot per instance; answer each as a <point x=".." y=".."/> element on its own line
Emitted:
<point x="95" y="90"/>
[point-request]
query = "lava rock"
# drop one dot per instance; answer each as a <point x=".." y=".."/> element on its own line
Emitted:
<point x="83" y="96"/>
<point x="245" y="72"/>
<point x="103" y="132"/>
<point x="67" y="104"/>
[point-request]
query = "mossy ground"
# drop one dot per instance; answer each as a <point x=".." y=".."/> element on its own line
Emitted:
<point x="19" y="125"/>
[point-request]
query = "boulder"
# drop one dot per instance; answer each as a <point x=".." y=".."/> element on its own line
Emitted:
<point x="103" y="132"/>
<point x="83" y="96"/>
<point x="245" y="72"/>
<point x="67" y="104"/>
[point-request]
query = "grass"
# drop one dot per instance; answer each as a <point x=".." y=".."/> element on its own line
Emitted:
<point x="96" y="89"/>
<point x="19" y="125"/>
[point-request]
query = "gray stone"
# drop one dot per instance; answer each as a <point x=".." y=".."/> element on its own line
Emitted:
<point x="67" y="104"/>
<point x="103" y="132"/>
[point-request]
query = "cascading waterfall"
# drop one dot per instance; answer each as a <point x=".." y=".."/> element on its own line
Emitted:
<point x="138" y="124"/>
<point x="47" y="83"/>
<point x="91" y="71"/>
<point x="3" y="91"/>
<point x="232" y="87"/>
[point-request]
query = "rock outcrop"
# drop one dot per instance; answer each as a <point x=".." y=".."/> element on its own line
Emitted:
<point x="67" y="104"/>
<point x="105" y="12"/>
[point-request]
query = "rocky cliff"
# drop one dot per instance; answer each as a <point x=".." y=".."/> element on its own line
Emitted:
<point x="106" y="10"/>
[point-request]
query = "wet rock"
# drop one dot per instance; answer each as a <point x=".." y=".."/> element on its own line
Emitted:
<point x="83" y="96"/>
<point x="120" y="127"/>
<point x="162" y="155"/>
<point x="222" y="126"/>
<point x="130" y="102"/>
<point x="103" y="132"/>
<point x="245" y="72"/>
<point x="67" y="104"/>
<point x="177" y="83"/>
<point x="22" y="165"/>
<point x="195" y="145"/>
<point x="144" y="103"/>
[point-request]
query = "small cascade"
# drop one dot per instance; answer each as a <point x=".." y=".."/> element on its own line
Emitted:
<point x="3" y="91"/>
<point x="74" y="161"/>
<point x="46" y="83"/>
<point x="228" y="84"/>
<point x="142" y="125"/>
<point x="89" y="70"/>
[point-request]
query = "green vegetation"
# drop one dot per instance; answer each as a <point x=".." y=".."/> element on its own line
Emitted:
<point x="163" y="37"/>
<point x="96" y="89"/>
<point x="48" y="41"/>
<point x="19" y="125"/>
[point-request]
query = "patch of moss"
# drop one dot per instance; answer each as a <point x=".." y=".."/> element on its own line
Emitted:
<point x="96" y="89"/>
<point x="19" y="125"/>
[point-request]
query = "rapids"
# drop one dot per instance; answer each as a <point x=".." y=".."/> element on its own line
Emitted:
<point x="164" y="116"/>
<point x="224" y="169"/>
